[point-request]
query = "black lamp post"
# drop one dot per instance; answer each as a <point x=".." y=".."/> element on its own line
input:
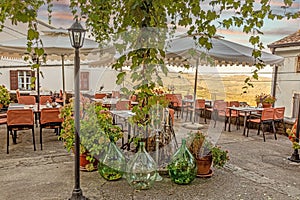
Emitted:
<point x="77" y="33"/>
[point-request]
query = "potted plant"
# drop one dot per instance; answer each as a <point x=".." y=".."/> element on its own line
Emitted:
<point x="265" y="99"/>
<point x="97" y="129"/>
<point x="4" y="97"/>
<point x="206" y="154"/>
<point x="68" y="137"/>
<point x="148" y="99"/>
<point x="292" y="136"/>
<point x="95" y="132"/>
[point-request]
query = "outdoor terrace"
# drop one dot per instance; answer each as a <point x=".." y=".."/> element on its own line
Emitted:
<point x="256" y="170"/>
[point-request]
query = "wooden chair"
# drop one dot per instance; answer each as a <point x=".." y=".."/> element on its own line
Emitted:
<point x="19" y="119"/>
<point x="219" y="110"/>
<point x="3" y="118"/>
<point x="170" y="124"/>
<point x="189" y="96"/>
<point x="279" y="116"/>
<point x="266" y="117"/>
<point x="169" y="98"/>
<point x="234" y="114"/>
<point x="49" y="119"/>
<point x="100" y="95"/>
<point x="243" y="114"/>
<point x="115" y="94"/>
<point x="177" y="104"/>
<point x="133" y="97"/>
<point x="199" y="109"/>
<point x="123" y="105"/>
<point x="44" y="99"/>
<point x="187" y="104"/>
<point x="18" y="94"/>
<point x="60" y="98"/>
<point x="27" y="100"/>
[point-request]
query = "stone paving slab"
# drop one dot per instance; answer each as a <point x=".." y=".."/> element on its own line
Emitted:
<point x="256" y="170"/>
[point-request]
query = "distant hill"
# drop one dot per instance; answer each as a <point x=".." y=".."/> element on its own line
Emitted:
<point x="216" y="87"/>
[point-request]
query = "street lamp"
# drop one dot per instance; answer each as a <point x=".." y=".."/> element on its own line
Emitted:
<point x="77" y="33"/>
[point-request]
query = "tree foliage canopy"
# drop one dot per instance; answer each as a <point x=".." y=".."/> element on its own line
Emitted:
<point x="140" y="27"/>
<point x="143" y="25"/>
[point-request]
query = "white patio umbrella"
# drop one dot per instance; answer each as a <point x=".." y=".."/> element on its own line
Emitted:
<point x="185" y="49"/>
<point x="56" y="44"/>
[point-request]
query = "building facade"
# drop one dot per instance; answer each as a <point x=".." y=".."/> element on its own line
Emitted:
<point x="287" y="87"/>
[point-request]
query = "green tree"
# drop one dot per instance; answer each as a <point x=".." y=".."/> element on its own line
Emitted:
<point x="139" y="27"/>
<point x="143" y="25"/>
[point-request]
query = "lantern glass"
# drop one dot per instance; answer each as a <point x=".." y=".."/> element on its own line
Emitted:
<point x="76" y="34"/>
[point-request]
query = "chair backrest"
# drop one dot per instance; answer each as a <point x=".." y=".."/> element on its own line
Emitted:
<point x="200" y="103"/>
<point x="100" y="95"/>
<point x="267" y="114"/>
<point x="234" y="103"/>
<point x="3" y="118"/>
<point x="177" y="100"/>
<point x="169" y="97"/>
<point x="220" y="105"/>
<point x="27" y="100"/>
<point x="61" y="95"/>
<point x="171" y="114"/>
<point x="115" y="94"/>
<point x="20" y="117"/>
<point x="49" y="115"/>
<point x="123" y="105"/>
<point x="279" y="113"/>
<point x="44" y="99"/>
<point x="189" y="96"/>
<point x="18" y="93"/>
<point x="133" y="98"/>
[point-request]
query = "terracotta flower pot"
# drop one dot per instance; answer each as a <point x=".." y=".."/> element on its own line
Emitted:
<point x="267" y="105"/>
<point x="204" y="164"/>
<point x="84" y="162"/>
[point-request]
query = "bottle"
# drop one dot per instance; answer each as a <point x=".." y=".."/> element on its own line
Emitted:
<point x="182" y="167"/>
<point x="48" y="104"/>
<point x="141" y="171"/>
<point x="113" y="165"/>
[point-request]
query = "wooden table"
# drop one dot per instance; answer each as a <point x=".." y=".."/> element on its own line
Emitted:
<point x="246" y="110"/>
<point x="36" y="111"/>
<point x="125" y="114"/>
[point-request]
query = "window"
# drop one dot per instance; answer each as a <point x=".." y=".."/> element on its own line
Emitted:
<point x="21" y="79"/>
<point x="298" y="64"/>
<point x="84" y="81"/>
<point x="24" y="78"/>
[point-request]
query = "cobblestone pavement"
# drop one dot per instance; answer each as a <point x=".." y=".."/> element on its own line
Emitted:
<point x="256" y="170"/>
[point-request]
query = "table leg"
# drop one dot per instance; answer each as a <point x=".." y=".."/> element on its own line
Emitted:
<point x="245" y="121"/>
<point x="229" y="120"/>
<point x="129" y="136"/>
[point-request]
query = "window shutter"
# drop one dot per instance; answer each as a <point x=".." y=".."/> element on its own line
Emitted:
<point x="13" y="79"/>
<point x="84" y="81"/>
<point x="298" y="64"/>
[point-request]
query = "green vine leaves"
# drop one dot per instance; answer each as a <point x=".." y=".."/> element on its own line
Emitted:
<point x="107" y="19"/>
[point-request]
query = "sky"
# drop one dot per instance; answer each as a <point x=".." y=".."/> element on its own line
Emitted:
<point x="273" y="30"/>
